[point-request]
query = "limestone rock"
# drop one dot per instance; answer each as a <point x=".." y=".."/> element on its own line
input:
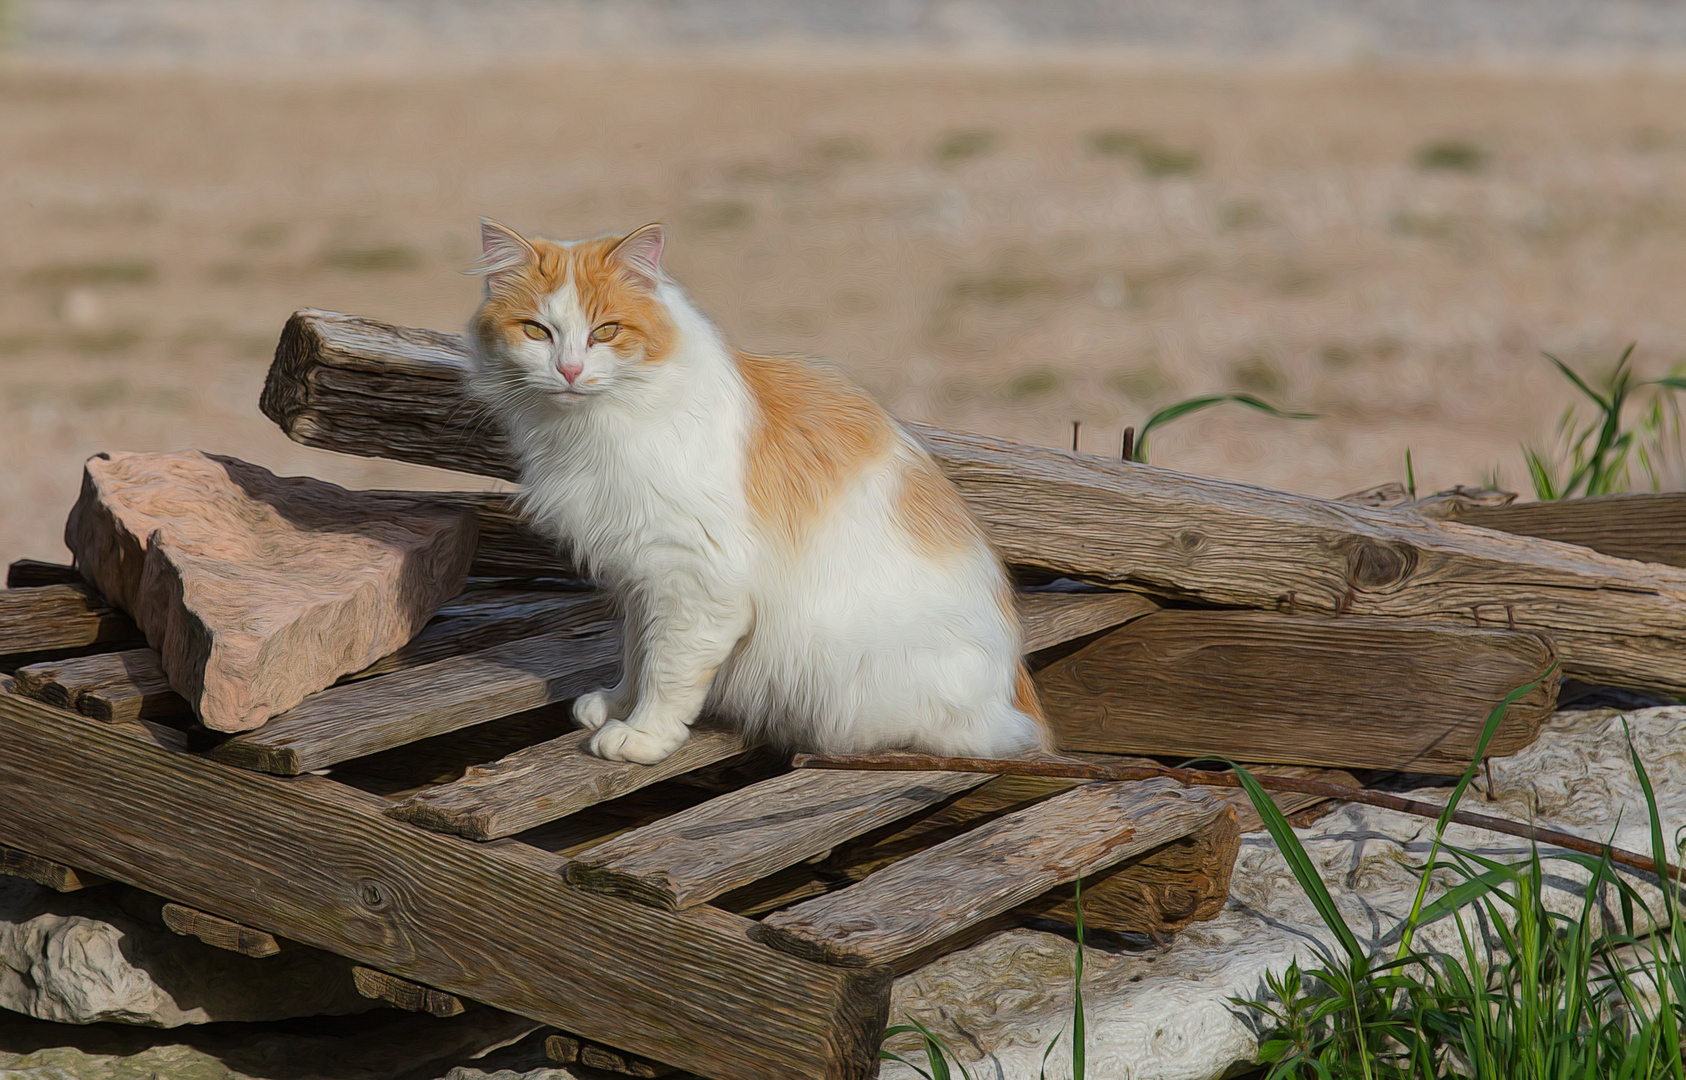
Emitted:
<point x="258" y="590"/>
<point x="84" y="958"/>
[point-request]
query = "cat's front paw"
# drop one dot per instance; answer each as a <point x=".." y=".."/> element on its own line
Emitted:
<point x="620" y="741"/>
<point x="593" y="710"/>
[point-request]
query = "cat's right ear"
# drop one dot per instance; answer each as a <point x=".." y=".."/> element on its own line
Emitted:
<point x="503" y="253"/>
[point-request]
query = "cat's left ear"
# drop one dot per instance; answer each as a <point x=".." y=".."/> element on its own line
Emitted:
<point x="641" y="253"/>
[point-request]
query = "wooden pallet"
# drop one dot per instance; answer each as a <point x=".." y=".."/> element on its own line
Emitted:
<point x="436" y="819"/>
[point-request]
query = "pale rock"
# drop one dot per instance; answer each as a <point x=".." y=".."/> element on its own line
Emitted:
<point x="84" y="958"/>
<point x="258" y="590"/>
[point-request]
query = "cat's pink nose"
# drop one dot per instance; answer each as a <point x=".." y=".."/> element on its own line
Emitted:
<point x="570" y="370"/>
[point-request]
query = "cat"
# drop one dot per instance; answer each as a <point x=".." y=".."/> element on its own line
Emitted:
<point x="785" y="554"/>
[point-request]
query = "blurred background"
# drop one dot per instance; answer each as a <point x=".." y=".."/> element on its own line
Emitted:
<point x="1002" y="215"/>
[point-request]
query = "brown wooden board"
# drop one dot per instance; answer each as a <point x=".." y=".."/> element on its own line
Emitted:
<point x="1053" y="618"/>
<point x="360" y="387"/>
<point x="221" y="932"/>
<point x="1648" y="527"/>
<point x="567" y="1049"/>
<point x="314" y="861"/>
<point x="551" y="780"/>
<point x="132" y="684"/>
<point x="404" y="994"/>
<point x="126" y="685"/>
<point x="1255" y="686"/>
<point x="348" y="721"/>
<point x="55" y="876"/>
<point x="989" y="870"/>
<point x="697" y="854"/>
<point x="49" y="617"/>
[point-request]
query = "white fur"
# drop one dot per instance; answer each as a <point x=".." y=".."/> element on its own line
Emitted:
<point x="856" y="642"/>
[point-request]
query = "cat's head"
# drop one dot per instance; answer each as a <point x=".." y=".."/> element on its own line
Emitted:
<point x="565" y="322"/>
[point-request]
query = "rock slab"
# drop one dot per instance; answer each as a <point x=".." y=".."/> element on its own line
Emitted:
<point x="258" y="590"/>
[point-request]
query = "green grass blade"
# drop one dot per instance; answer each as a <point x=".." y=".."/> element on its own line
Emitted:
<point x="1190" y="405"/>
<point x="1569" y="373"/>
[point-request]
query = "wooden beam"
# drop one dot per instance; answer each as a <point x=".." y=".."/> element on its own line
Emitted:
<point x="55" y="876"/>
<point x="404" y="994"/>
<point x="349" y="721"/>
<point x="50" y="617"/>
<point x="698" y="854"/>
<point x="222" y="933"/>
<point x="1255" y="686"/>
<point x="316" y="862"/>
<point x="938" y="893"/>
<point x="359" y="387"/>
<point x="1649" y="528"/>
<point x="1053" y="618"/>
<point x="549" y="780"/>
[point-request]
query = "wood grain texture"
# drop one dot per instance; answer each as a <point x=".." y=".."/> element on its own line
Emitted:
<point x="1053" y="618"/>
<point x="61" y="617"/>
<point x="258" y="590"/>
<point x="316" y="862"/>
<point x="345" y="722"/>
<point x="132" y="685"/>
<point x="222" y="933"/>
<point x="1649" y="528"/>
<point x="54" y="875"/>
<point x="550" y="780"/>
<point x="1256" y="686"/>
<point x="1162" y="891"/>
<point x="355" y="386"/>
<point x="127" y="685"/>
<point x="404" y="994"/>
<point x="31" y="573"/>
<point x="992" y="869"/>
<point x="565" y="1049"/>
<point x="700" y="853"/>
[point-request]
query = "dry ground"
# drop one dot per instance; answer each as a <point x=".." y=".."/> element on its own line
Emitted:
<point x="1004" y="247"/>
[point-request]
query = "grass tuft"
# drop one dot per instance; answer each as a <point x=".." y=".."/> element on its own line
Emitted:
<point x="1451" y="155"/>
<point x="1152" y="156"/>
<point x="1596" y="458"/>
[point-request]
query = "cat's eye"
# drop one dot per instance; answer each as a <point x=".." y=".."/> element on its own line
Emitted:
<point x="535" y="331"/>
<point x="606" y="332"/>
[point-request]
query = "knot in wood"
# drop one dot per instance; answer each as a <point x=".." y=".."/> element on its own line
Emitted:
<point x="1188" y="541"/>
<point x="373" y="895"/>
<point x="1375" y="566"/>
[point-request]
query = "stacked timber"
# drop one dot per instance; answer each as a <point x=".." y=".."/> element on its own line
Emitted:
<point x="430" y="812"/>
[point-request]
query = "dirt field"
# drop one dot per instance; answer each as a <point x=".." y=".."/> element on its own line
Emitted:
<point x="1004" y="247"/>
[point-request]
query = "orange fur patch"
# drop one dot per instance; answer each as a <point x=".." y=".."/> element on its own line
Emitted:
<point x="607" y="292"/>
<point x="1026" y="701"/>
<point x="931" y="510"/>
<point x="813" y="430"/>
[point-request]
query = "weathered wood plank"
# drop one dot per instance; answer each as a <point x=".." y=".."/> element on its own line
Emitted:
<point x="61" y="617"/>
<point x="222" y="933"/>
<point x="55" y="876"/>
<point x="132" y="685"/>
<point x="989" y="870"/>
<point x="700" y="853"/>
<point x="359" y="718"/>
<point x="567" y="1049"/>
<point x="1052" y="618"/>
<point x="1256" y="686"/>
<point x="356" y="386"/>
<point x="32" y="573"/>
<point x="1160" y="892"/>
<point x="1648" y="528"/>
<point x="550" y="780"/>
<point x="1289" y="802"/>
<point x="316" y="862"/>
<point x="127" y="685"/>
<point x="404" y="994"/>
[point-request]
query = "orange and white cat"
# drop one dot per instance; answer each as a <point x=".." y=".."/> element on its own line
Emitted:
<point x="786" y="555"/>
